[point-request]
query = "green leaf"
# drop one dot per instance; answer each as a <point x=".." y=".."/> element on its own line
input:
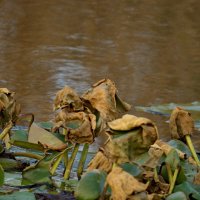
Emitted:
<point x="45" y="125"/>
<point x="10" y="164"/>
<point x="132" y="169"/>
<point x="19" y="135"/>
<point x="173" y="159"/>
<point x="189" y="189"/>
<point x="177" y="196"/>
<point x="91" y="185"/>
<point x="180" y="146"/>
<point x="19" y="196"/>
<point x="1" y="176"/>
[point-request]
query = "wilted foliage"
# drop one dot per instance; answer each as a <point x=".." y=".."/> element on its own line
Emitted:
<point x="181" y="123"/>
<point x="9" y="109"/>
<point x="123" y="185"/>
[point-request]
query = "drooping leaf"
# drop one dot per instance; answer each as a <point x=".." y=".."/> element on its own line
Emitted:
<point x="104" y="98"/>
<point x="181" y="123"/>
<point x="19" y="196"/>
<point x="47" y="139"/>
<point x="69" y="99"/>
<point x="123" y="184"/>
<point x="91" y="185"/>
<point x="101" y="162"/>
<point x="79" y="126"/>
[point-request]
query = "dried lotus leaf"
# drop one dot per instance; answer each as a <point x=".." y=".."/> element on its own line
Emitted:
<point x="123" y="184"/>
<point x="67" y="97"/>
<point x="80" y="126"/>
<point x="181" y="123"/>
<point x="128" y="122"/>
<point x="5" y="91"/>
<point x="101" y="162"/>
<point x="103" y="97"/>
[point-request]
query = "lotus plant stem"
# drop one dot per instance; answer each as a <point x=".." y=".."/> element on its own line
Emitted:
<point x="191" y="147"/>
<point x="6" y="130"/>
<point x="82" y="160"/>
<point x="169" y="172"/>
<point x="56" y="163"/>
<point x="172" y="184"/>
<point x="29" y="155"/>
<point x="156" y="175"/>
<point x="71" y="161"/>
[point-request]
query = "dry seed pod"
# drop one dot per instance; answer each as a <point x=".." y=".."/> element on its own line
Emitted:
<point x="181" y="123"/>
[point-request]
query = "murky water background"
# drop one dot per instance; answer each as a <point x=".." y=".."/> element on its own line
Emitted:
<point x="149" y="48"/>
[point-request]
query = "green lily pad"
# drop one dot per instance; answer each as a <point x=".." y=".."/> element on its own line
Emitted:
<point x="132" y="169"/>
<point x="191" y="191"/>
<point x="166" y="109"/>
<point x="91" y="185"/>
<point x="177" y="196"/>
<point x="180" y="146"/>
<point x="45" y="125"/>
<point x="19" y="135"/>
<point x="19" y="196"/>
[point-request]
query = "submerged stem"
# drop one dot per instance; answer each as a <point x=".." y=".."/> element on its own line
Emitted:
<point x="191" y="147"/>
<point x="71" y="161"/>
<point x="82" y="160"/>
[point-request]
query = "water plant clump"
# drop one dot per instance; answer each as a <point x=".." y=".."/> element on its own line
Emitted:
<point x="134" y="163"/>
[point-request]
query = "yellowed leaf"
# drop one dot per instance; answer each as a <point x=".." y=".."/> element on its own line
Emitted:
<point x="101" y="162"/>
<point x="123" y="184"/>
<point x="103" y="97"/>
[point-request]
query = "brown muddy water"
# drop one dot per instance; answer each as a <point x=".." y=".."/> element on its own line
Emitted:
<point x="149" y="48"/>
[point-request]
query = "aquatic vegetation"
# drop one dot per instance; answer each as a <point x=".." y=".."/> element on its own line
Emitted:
<point x="134" y="163"/>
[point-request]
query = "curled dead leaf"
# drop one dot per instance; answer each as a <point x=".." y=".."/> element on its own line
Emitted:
<point x="79" y="126"/>
<point x="123" y="184"/>
<point x="131" y="139"/>
<point x="166" y="148"/>
<point x="68" y="98"/>
<point x="181" y="123"/>
<point x="9" y="109"/>
<point x="103" y="97"/>
<point x="101" y="162"/>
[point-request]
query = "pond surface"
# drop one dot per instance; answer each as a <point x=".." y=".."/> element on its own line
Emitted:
<point x="149" y="48"/>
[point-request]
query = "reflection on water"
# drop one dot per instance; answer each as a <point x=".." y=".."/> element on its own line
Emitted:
<point x="149" y="48"/>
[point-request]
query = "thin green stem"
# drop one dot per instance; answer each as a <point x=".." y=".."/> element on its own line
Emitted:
<point x="191" y="147"/>
<point x="29" y="155"/>
<point x="82" y="160"/>
<point x="156" y="175"/>
<point x="71" y="161"/>
<point x="173" y="180"/>
<point x="169" y="172"/>
<point x="56" y="163"/>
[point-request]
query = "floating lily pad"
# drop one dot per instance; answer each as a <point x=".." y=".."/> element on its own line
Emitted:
<point x="91" y="185"/>
<point x="19" y="196"/>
